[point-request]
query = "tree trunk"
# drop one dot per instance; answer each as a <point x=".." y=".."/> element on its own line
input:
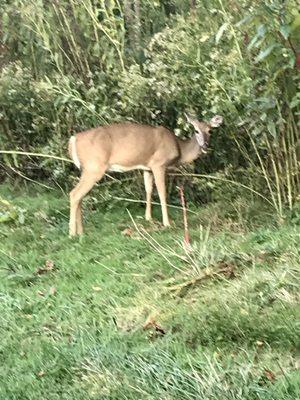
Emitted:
<point x="132" y="14"/>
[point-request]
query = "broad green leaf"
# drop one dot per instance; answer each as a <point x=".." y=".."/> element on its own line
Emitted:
<point x="261" y="30"/>
<point x="253" y="42"/>
<point x="265" y="103"/>
<point x="295" y="23"/>
<point x="21" y="217"/>
<point x="285" y="30"/>
<point x="7" y="211"/>
<point x="272" y="129"/>
<point x="244" y="20"/>
<point x="295" y="101"/>
<point x="263" y="116"/>
<point x="259" y="43"/>
<point x="15" y="160"/>
<point x="260" y="33"/>
<point x="220" y="32"/>
<point x="265" y="53"/>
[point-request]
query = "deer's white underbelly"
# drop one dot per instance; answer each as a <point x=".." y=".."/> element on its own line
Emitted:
<point x="121" y="168"/>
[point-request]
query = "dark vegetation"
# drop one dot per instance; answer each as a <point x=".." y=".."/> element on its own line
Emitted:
<point x="68" y="66"/>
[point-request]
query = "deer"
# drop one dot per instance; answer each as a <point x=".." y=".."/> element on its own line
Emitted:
<point x="128" y="146"/>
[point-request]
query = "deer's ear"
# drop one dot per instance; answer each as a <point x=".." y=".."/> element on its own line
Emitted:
<point x="191" y="120"/>
<point x="200" y="138"/>
<point x="216" y="121"/>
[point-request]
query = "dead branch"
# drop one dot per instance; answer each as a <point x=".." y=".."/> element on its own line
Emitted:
<point x="227" y="270"/>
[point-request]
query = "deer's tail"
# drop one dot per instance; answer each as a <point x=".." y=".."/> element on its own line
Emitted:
<point x="73" y="151"/>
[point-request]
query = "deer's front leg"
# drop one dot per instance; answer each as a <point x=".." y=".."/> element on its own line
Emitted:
<point x="160" y="181"/>
<point x="148" y="180"/>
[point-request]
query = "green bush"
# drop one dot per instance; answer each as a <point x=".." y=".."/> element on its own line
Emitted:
<point x="69" y="66"/>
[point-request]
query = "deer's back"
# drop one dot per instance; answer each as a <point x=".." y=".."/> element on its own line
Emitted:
<point x="128" y="146"/>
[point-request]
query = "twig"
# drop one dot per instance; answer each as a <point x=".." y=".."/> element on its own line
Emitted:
<point x="25" y="153"/>
<point x="28" y="179"/>
<point x="185" y="221"/>
<point x="144" y="202"/>
<point x="283" y="373"/>
<point x="29" y="154"/>
<point x="223" y="180"/>
<point x="34" y="181"/>
<point x="178" y="288"/>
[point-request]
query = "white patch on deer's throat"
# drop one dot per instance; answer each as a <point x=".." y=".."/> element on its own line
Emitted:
<point x="200" y="138"/>
<point x="121" y="168"/>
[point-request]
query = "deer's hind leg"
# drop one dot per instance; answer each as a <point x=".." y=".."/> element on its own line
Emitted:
<point x="79" y="226"/>
<point x="87" y="180"/>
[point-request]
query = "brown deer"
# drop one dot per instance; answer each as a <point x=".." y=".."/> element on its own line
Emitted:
<point x="129" y="146"/>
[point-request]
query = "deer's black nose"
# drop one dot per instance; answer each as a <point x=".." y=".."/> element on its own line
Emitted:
<point x="204" y="147"/>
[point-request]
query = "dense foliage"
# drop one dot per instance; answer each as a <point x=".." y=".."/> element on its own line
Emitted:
<point x="68" y="65"/>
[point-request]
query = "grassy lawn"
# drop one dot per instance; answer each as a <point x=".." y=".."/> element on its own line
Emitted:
<point x="74" y="312"/>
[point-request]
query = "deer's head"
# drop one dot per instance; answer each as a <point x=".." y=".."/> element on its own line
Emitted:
<point x="203" y="128"/>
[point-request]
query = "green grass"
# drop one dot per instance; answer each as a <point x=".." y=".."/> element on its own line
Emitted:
<point x="76" y="332"/>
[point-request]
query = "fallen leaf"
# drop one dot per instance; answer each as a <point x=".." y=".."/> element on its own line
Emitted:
<point x="298" y="61"/>
<point x="41" y="271"/>
<point x="159" y="329"/>
<point x="259" y="343"/>
<point x="52" y="290"/>
<point x="227" y="269"/>
<point x="46" y="328"/>
<point x="40" y="293"/>
<point x="159" y="275"/>
<point x="151" y="323"/>
<point x="49" y="266"/>
<point x="269" y="375"/>
<point x="127" y="232"/>
<point x="230" y="272"/>
<point x="187" y="245"/>
<point x="41" y="374"/>
<point x="97" y="288"/>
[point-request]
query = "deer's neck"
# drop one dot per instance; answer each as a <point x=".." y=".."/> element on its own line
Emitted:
<point x="189" y="150"/>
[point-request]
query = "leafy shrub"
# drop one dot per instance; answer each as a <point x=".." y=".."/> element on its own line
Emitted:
<point x="94" y="69"/>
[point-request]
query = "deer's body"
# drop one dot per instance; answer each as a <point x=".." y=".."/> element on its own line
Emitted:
<point x="125" y="147"/>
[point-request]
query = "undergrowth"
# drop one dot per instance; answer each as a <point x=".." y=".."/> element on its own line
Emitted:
<point x="96" y="317"/>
